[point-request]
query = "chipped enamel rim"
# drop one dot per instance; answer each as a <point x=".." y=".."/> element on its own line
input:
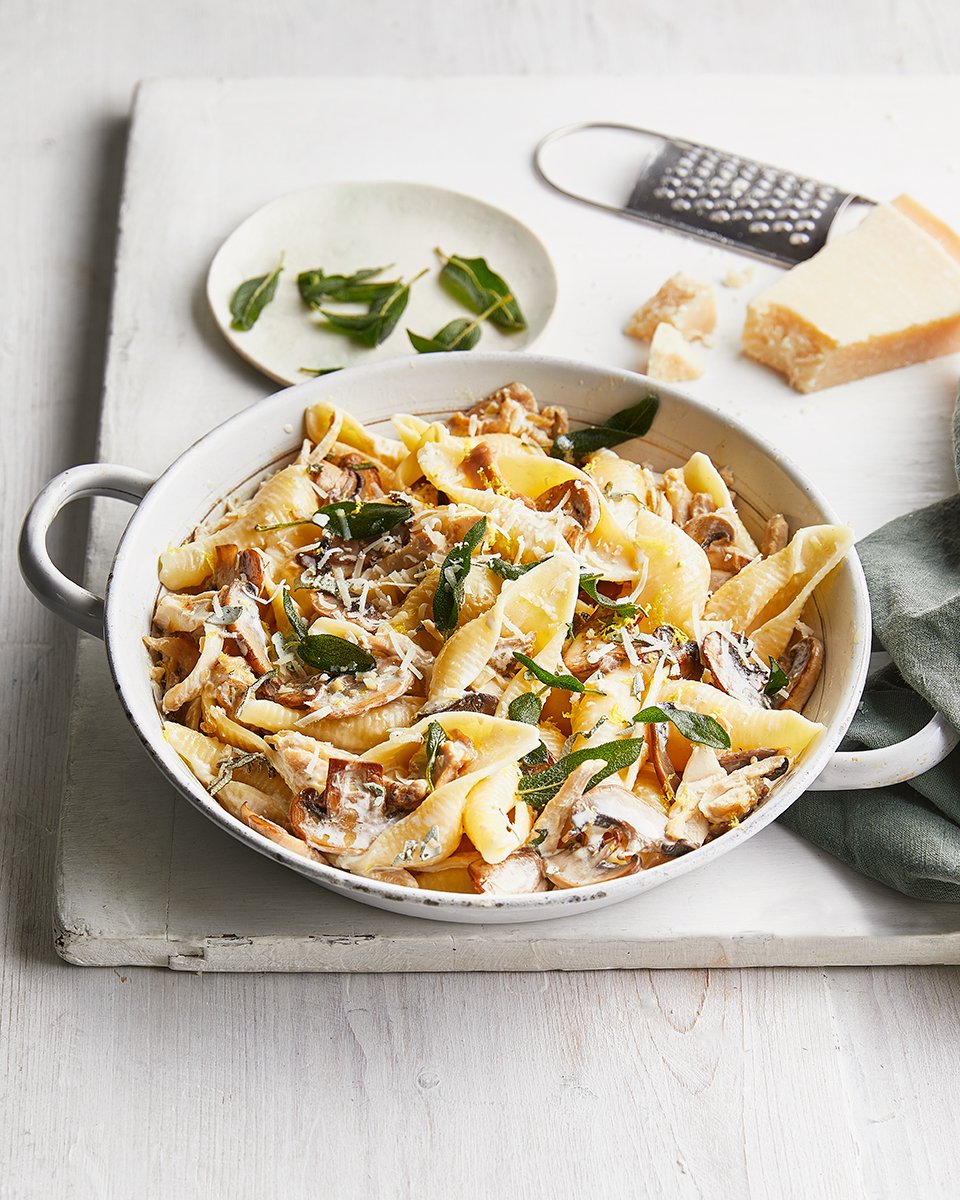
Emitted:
<point x="255" y="439"/>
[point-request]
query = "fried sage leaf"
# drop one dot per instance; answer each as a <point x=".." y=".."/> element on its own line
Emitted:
<point x="473" y="284"/>
<point x="317" y="288"/>
<point x="460" y="334"/>
<point x="567" y="683"/>
<point x="588" y="584"/>
<point x="360" y="521"/>
<point x="252" y="297"/>
<point x="525" y="708"/>
<point x="317" y="371"/>
<point x="374" y="326"/>
<point x="509" y="570"/>
<point x="353" y="520"/>
<point x="694" y="726"/>
<point x="632" y="422"/>
<point x="435" y="737"/>
<point x="453" y="576"/>
<point x="334" y="655"/>
<point x="540" y="786"/>
<point x="778" y="680"/>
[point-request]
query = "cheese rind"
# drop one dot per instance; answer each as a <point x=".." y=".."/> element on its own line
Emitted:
<point x="685" y="303"/>
<point x="672" y="358"/>
<point x="885" y="295"/>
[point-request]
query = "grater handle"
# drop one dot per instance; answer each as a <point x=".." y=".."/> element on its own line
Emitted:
<point x="695" y="190"/>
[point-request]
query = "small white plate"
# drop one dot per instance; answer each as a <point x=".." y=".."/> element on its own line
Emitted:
<point x="343" y="227"/>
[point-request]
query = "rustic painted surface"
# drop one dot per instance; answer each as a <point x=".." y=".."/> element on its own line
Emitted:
<point x="688" y="1083"/>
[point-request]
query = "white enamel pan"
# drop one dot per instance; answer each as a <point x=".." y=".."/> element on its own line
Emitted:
<point x="230" y="460"/>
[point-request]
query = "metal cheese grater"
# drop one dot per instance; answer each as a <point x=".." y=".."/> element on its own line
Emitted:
<point x="697" y="190"/>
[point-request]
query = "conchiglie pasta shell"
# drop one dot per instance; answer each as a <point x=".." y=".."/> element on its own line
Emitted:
<point x="678" y="574"/>
<point x="485" y="820"/>
<point x="322" y="423"/>
<point x="442" y="809"/>
<point x="465" y="654"/>
<point x="410" y="429"/>
<point x="233" y="796"/>
<point x="766" y="598"/>
<point x="749" y="727"/>
<point x="700" y="475"/>
<point x="364" y="730"/>
<point x="202" y="754"/>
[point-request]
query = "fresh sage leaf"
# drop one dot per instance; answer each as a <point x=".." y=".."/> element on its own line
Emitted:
<point x="588" y="584"/>
<point x="471" y="282"/>
<point x="434" y="739"/>
<point x="252" y="297"/>
<point x="539" y="787"/>
<point x="359" y="521"/>
<point x="460" y="334"/>
<point x="539" y="836"/>
<point x="453" y="576"/>
<point x="334" y="655"/>
<point x="694" y="726"/>
<point x="298" y="625"/>
<point x="316" y="287"/>
<point x="778" y="680"/>
<point x="374" y="326"/>
<point x="567" y="683"/>
<point x="525" y="708"/>
<point x="509" y="570"/>
<point x="632" y="422"/>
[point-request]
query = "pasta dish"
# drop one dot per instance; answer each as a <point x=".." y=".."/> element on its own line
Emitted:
<point x="493" y="655"/>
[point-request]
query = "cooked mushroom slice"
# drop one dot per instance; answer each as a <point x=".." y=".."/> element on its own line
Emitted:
<point x="775" y="535"/>
<point x="667" y="776"/>
<point x="710" y="527"/>
<point x="454" y="756"/>
<point x="480" y="467"/>
<point x="598" y="835"/>
<point x="476" y="702"/>
<point x="576" y="498"/>
<point x="190" y="688"/>
<point x="278" y="835"/>
<point x="247" y="629"/>
<point x="333" y="482"/>
<point x="371" y="485"/>
<point x="233" y="565"/>
<point x="733" y="760"/>
<point x="729" y="659"/>
<point x="802" y="663"/>
<point x="728" y="799"/>
<point x="608" y="829"/>
<point x="178" y="656"/>
<point x="351" y="811"/>
<point x="701" y="504"/>
<point x="404" y="795"/>
<point x="292" y="694"/>
<point x="727" y="559"/>
<point x="519" y="874"/>
<point x="685" y="652"/>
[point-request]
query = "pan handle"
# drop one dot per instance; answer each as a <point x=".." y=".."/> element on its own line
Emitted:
<point x="44" y="578"/>
<point x="860" y="769"/>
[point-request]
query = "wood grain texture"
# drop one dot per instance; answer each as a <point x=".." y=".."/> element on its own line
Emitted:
<point x="740" y="1083"/>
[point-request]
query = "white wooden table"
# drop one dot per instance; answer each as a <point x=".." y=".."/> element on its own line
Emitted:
<point x="691" y="1083"/>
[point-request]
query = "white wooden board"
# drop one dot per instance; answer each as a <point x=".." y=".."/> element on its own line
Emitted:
<point x="142" y="878"/>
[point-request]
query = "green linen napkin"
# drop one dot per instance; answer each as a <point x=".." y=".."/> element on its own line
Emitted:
<point x="907" y="836"/>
